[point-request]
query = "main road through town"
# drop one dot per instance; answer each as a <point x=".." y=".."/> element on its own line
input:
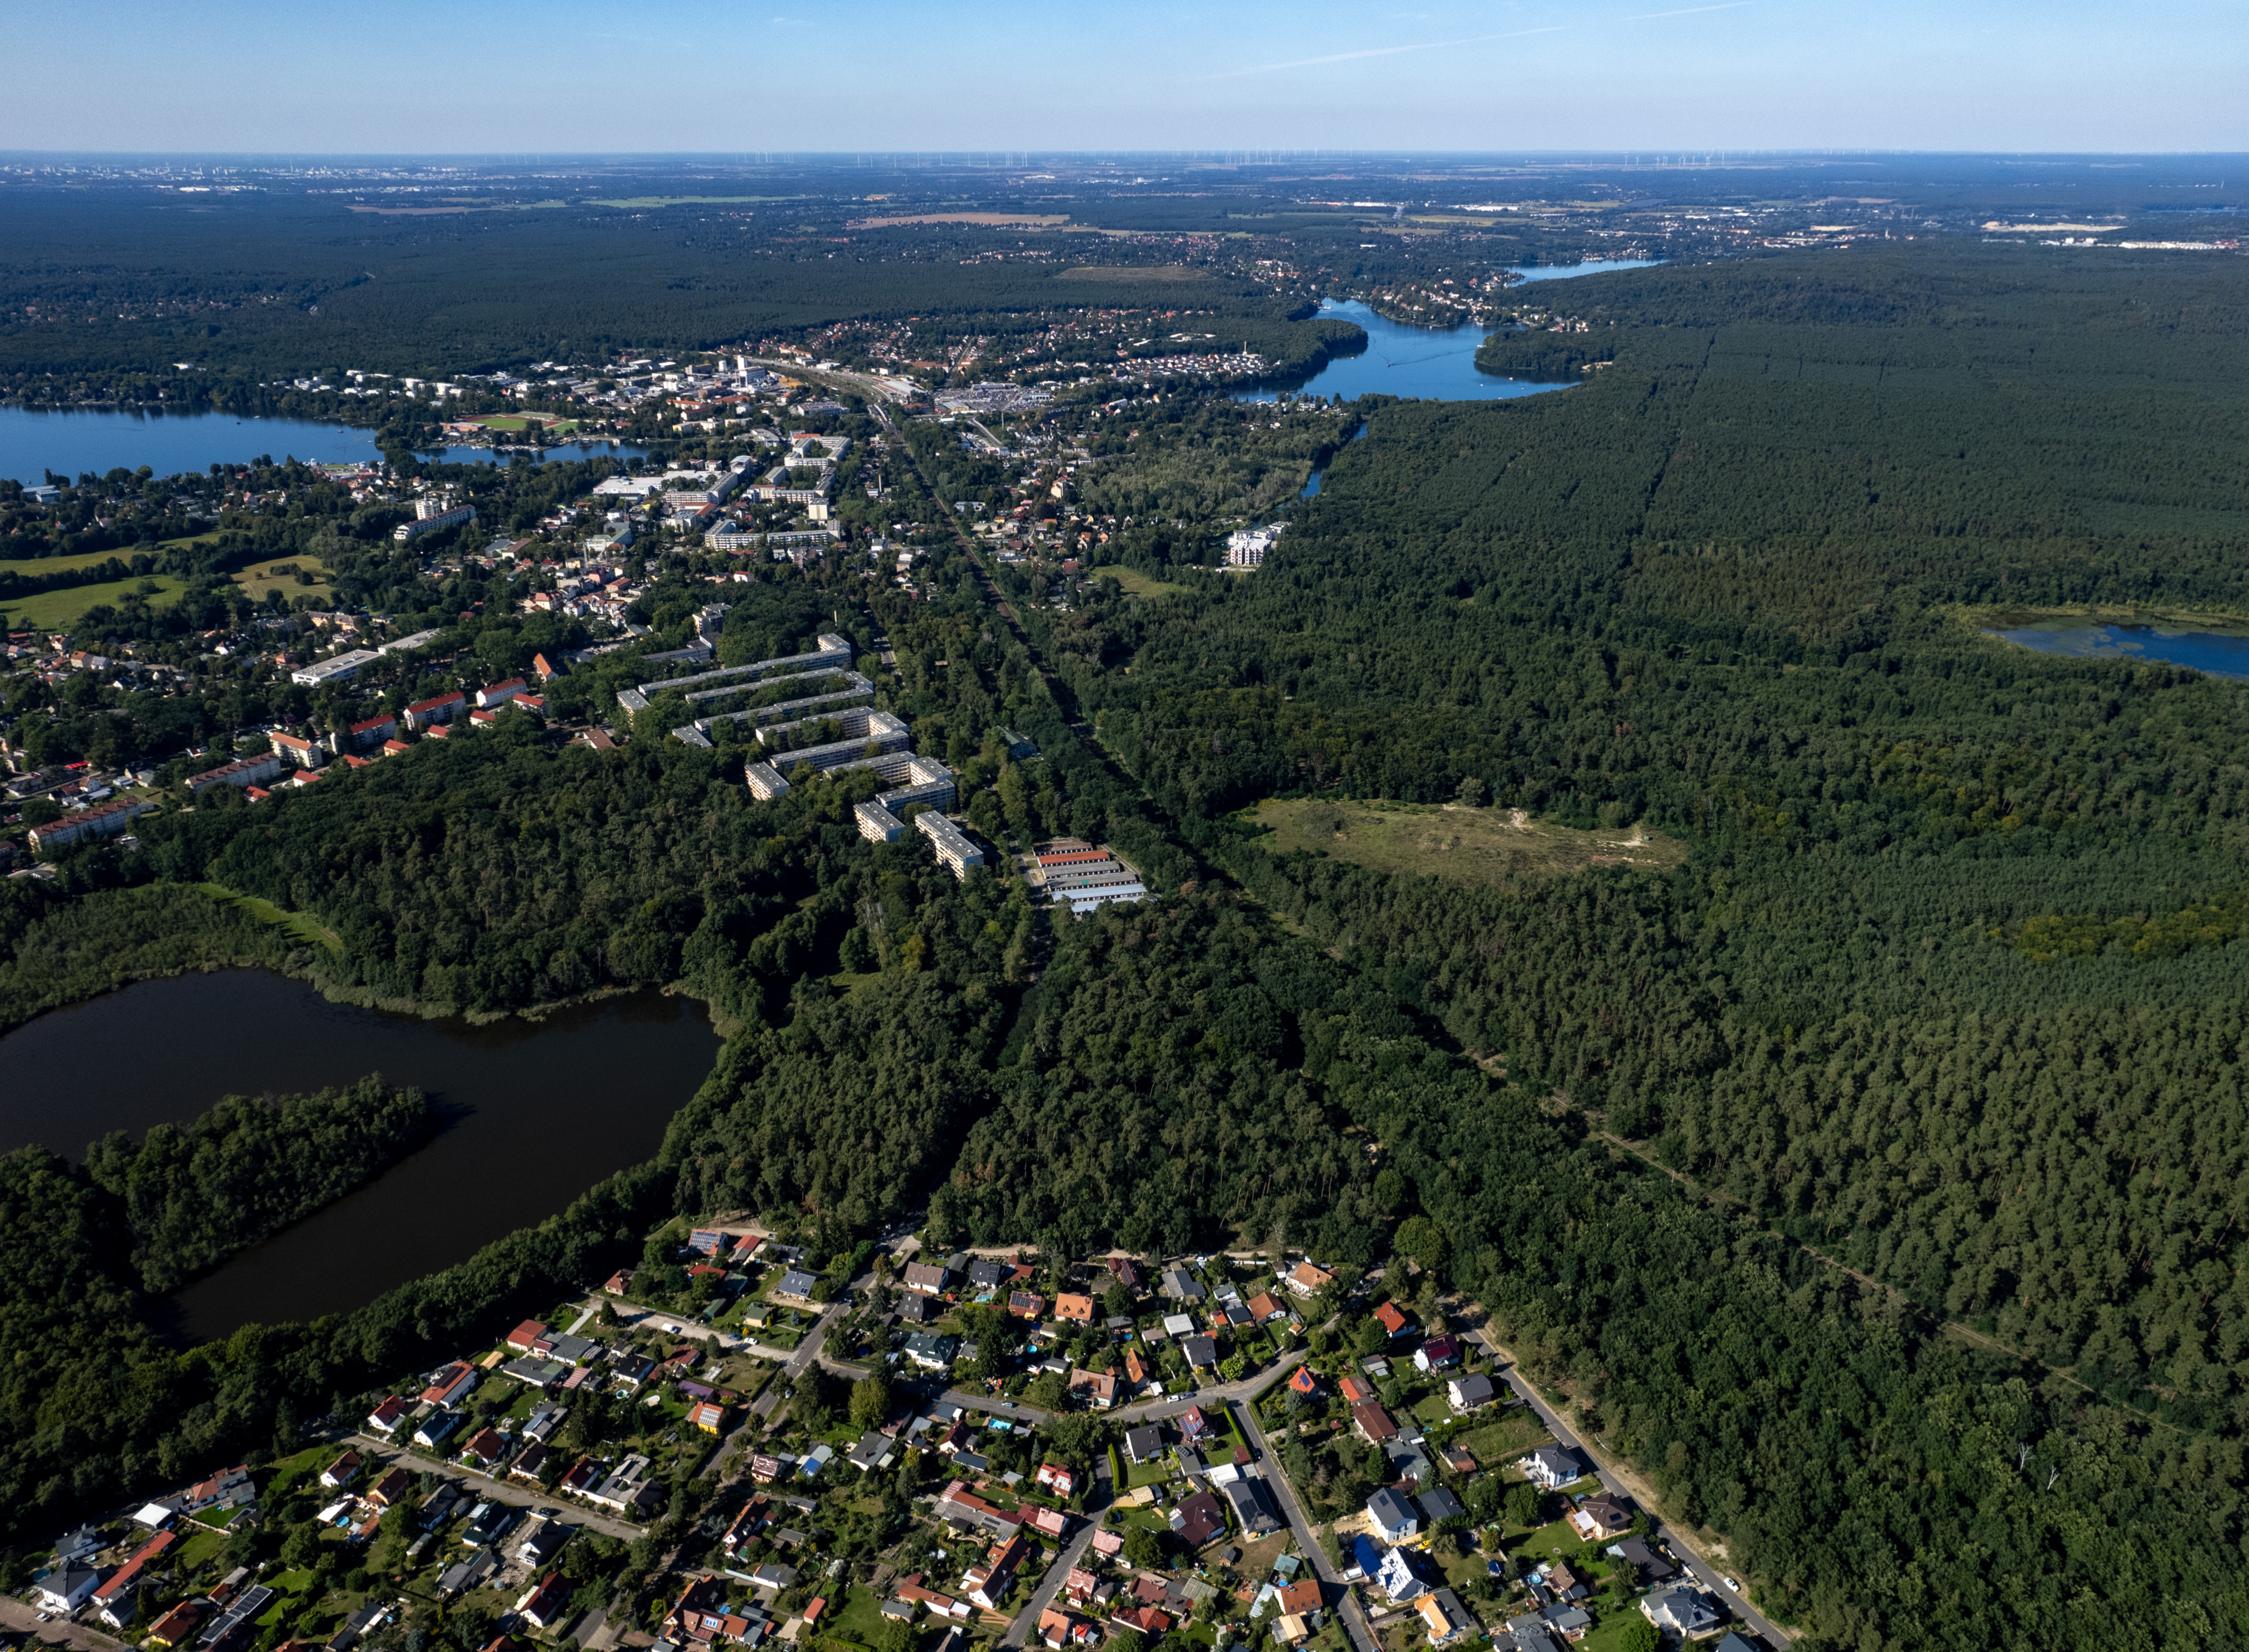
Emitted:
<point x="1708" y="1576"/>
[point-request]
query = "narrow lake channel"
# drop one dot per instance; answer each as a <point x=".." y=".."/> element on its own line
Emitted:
<point x="535" y="1114"/>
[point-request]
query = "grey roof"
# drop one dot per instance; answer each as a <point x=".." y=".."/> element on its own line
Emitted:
<point x="797" y="1283"/>
<point x="1437" y="1504"/>
<point x="1392" y="1513"/>
<point x="985" y="1273"/>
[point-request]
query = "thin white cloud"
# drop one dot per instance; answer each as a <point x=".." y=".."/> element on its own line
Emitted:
<point x="1687" y="11"/>
<point x="1382" y="52"/>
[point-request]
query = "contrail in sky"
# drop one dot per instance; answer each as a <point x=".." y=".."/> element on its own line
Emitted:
<point x="1385" y="51"/>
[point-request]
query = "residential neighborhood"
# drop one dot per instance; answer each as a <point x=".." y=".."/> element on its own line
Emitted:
<point x="739" y="1440"/>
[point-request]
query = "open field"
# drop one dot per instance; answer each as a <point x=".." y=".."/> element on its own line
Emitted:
<point x="261" y="577"/>
<point x="1135" y="582"/>
<point x="1445" y="840"/>
<point x="59" y="611"/>
<point x="32" y="567"/>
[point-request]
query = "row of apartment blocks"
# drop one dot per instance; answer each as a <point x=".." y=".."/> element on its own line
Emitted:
<point x="341" y="668"/>
<point x="830" y="653"/>
<point x="923" y="782"/>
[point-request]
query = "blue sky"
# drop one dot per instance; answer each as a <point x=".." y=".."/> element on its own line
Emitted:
<point x="475" y="76"/>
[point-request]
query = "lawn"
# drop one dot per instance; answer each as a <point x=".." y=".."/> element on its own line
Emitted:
<point x="60" y="610"/>
<point x="261" y="577"/>
<point x="32" y="567"/>
<point x="1506" y="1437"/>
<point x="1135" y="582"/>
<point x="298" y="924"/>
<point x="1469" y="845"/>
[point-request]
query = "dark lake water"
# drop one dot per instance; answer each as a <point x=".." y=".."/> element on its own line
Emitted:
<point x="2219" y="653"/>
<point x="1435" y="364"/>
<point x="1591" y="267"/>
<point x="537" y="1114"/>
<point x="34" y="441"/>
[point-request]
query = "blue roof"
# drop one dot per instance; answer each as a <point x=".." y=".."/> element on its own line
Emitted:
<point x="1369" y="1558"/>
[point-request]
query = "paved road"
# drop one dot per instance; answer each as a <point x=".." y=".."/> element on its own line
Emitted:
<point x="1708" y="1576"/>
<point x="16" y="1617"/>
<point x="520" y="1496"/>
<point x="1027" y="1620"/>
<point x="1354" y="1621"/>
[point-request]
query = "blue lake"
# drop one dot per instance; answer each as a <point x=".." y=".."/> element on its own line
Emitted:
<point x="1591" y="267"/>
<point x="34" y="441"/>
<point x="1428" y="362"/>
<point x="2218" y="653"/>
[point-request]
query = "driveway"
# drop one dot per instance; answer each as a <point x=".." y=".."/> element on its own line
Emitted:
<point x="1689" y="1558"/>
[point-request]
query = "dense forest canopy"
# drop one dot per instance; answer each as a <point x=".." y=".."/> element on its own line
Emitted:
<point x="1947" y="992"/>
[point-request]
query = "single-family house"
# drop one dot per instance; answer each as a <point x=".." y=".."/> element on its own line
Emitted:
<point x="708" y="1416"/>
<point x="435" y="1429"/>
<point x="1201" y="1352"/>
<point x="1306" y="1280"/>
<point x="1573" y="1623"/>
<point x="1601" y="1517"/>
<point x="341" y="1472"/>
<point x="392" y="1488"/>
<point x="1199" y="1520"/>
<point x="1392" y="1517"/>
<point x="1027" y="1304"/>
<point x="1301" y="1380"/>
<point x="1643" y="1559"/>
<point x="932" y="1350"/>
<point x="1393" y="1323"/>
<point x="525" y="1337"/>
<point x="1097" y="1390"/>
<point x="1077" y="1309"/>
<point x="1531" y="1633"/>
<point x="1144" y="1443"/>
<point x="1437" y="1353"/>
<point x="66" y="1588"/>
<point x="1056" y="1478"/>
<point x="544" y="1604"/>
<point x="929" y="1278"/>
<point x="1550" y="1468"/>
<point x="1398" y="1577"/>
<point x="796" y="1285"/>
<point x="1180" y="1285"/>
<point x="1373" y="1424"/>
<point x="178" y="1626"/>
<point x="1444" y="1617"/>
<point x="1047" y="1522"/>
<point x="1252" y="1511"/>
<point x="1439" y="1506"/>
<point x="988" y="1581"/>
<point x="1683" y="1611"/>
<point x="485" y="1447"/>
<point x="1469" y="1392"/>
<point x="1355" y="1390"/>
<point x="1263" y="1309"/>
<point x="386" y="1417"/>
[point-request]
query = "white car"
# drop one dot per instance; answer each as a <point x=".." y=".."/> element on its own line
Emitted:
<point x="1732" y="1587"/>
